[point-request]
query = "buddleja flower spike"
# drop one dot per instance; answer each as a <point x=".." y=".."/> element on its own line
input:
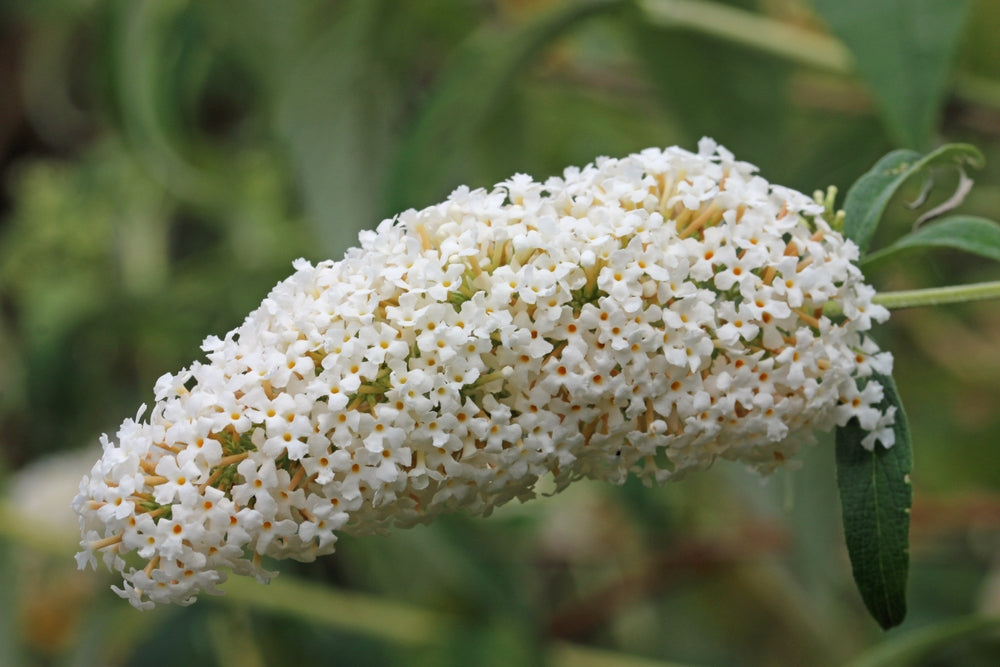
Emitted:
<point x="646" y="315"/>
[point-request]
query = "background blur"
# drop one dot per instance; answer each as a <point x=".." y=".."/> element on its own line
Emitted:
<point x="162" y="162"/>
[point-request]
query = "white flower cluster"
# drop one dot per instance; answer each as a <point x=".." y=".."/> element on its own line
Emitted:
<point x="646" y="315"/>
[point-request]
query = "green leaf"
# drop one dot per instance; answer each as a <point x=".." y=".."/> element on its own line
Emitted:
<point x="875" y="497"/>
<point x="978" y="236"/>
<point x="471" y="88"/>
<point x="870" y="194"/>
<point x="904" y="50"/>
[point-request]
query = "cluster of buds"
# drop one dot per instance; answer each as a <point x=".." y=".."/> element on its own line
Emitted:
<point x="646" y="315"/>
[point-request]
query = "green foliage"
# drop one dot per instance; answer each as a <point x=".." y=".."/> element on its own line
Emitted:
<point x="339" y="152"/>
<point x="875" y="491"/>
<point x="677" y="61"/>
<point x="971" y="234"/>
<point x="868" y="197"/>
<point x="875" y="498"/>
<point x="930" y="645"/>
<point x="904" y="50"/>
<point x="487" y="62"/>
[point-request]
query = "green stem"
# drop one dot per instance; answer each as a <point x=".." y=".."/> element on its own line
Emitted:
<point x="936" y="296"/>
<point x="930" y="296"/>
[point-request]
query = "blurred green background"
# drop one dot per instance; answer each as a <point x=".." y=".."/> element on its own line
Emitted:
<point x="164" y="161"/>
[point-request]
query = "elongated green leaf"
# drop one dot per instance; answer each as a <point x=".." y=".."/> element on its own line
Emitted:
<point x="875" y="497"/>
<point x="904" y="50"/>
<point x="978" y="236"/>
<point x="467" y="92"/>
<point x="870" y="194"/>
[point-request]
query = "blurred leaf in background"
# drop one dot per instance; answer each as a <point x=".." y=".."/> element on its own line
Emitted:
<point x="164" y="161"/>
<point x="904" y="50"/>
